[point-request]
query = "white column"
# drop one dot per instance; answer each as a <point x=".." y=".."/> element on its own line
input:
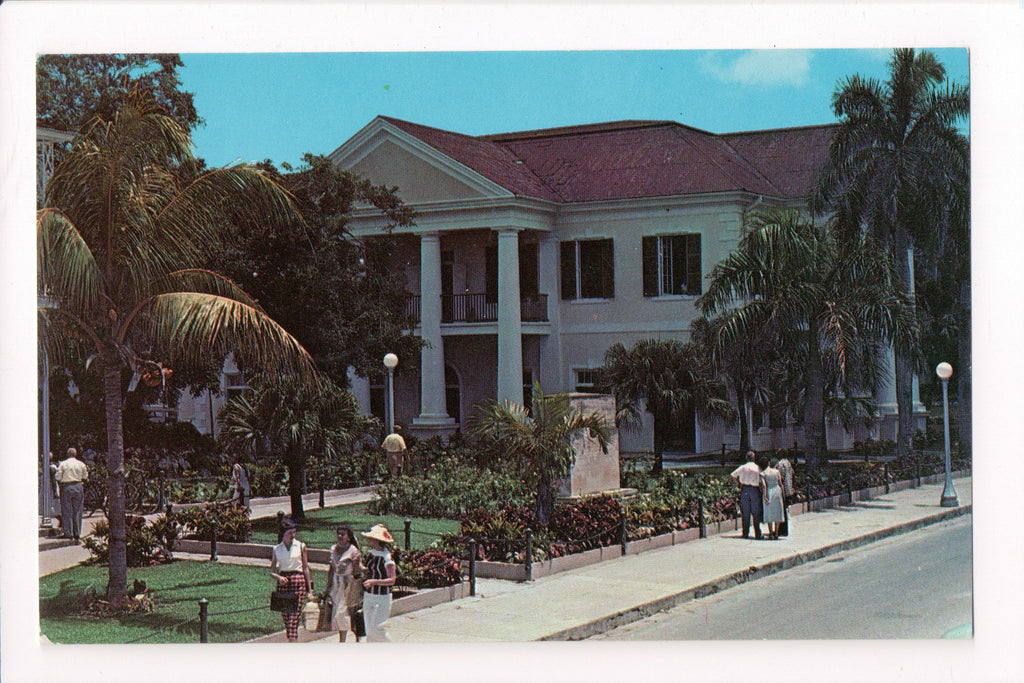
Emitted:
<point x="551" y="365"/>
<point x="360" y="388"/>
<point x="510" y="328"/>
<point x="432" y="404"/>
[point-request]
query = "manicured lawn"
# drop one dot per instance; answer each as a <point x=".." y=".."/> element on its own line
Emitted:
<point x="176" y="589"/>
<point x="318" y="531"/>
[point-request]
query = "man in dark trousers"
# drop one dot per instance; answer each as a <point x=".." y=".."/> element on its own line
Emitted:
<point x="748" y="475"/>
<point x="71" y="475"/>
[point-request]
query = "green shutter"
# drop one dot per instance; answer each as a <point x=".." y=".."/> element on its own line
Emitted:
<point x="649" y="247"/>
<point x="693" y="272"/>
<point x="568" y="274"/>
<point x="608" y="269"/>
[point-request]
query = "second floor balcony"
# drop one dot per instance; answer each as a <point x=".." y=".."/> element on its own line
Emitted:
<point x="482" y="308"/>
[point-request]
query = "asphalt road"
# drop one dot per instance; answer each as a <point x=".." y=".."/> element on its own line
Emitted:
<point x="917" y="585"/>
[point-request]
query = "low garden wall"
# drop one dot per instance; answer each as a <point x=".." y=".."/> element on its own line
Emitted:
<point x="520" y="572"/>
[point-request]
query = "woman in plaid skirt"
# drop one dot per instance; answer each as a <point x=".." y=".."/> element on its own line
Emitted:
<point x="290" y="566"/>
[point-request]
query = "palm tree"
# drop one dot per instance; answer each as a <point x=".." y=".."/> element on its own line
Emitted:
<point x="125" y="219"/>
<point x="671" y="378"/>
<point x="541" y="438"/>
<point x="749" y="364"/>
<point x="291" y="419"/>
<point x="898" y="165"/>
<point x="788" y="276"/>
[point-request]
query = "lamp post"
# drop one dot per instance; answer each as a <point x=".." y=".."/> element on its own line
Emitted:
<point x="945" y="371"/>
<point x="44" y="301"/>
<point x="390" y="362"/>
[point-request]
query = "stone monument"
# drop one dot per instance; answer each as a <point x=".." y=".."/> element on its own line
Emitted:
<point x="593" y="471"/>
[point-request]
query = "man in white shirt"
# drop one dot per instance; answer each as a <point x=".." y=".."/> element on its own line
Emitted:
<point x="71" y="475"/>
<point x="748" y="475"/>
<point x="394" y="447"/>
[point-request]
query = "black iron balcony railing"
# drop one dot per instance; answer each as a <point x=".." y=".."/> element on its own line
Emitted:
<point x="479" y="308"/>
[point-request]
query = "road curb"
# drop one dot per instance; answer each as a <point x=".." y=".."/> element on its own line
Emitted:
<point x="754" y="572"/>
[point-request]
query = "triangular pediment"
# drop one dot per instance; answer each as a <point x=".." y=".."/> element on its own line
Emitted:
<point x="386" y="155"/>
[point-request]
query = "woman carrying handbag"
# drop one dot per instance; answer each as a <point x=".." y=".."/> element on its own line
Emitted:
<point x="344" y="573"/>
<point x="290" y="566"/>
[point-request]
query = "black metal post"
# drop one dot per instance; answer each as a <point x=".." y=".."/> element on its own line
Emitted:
<point x="167" y="509"/>
<point x="321" y="492"/>
<point x="624" y="538"/>
<point x="700" y="519"/>
<point x="408" y="533"/>
<point x="528" y="559"/>
<point x="722" y="459"/>
<point x="213" y="542"/>
<point x="204" y="627"/>
<point x="472" y="567"/>
<point x="849" y="487"/>
<point x="807" y="492"/>
<point x="885" y="475"/>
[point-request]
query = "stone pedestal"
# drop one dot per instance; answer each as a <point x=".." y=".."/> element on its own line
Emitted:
<point x="593" y="470"/>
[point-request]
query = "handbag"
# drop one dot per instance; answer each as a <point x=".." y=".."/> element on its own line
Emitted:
<point x="284" y="601"/>
<point x="326" y="610"/>
<point x="311" y="614"/>
<point x="358" y="624"/>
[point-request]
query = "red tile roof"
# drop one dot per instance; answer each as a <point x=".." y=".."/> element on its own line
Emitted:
<point x="626" y="159"/>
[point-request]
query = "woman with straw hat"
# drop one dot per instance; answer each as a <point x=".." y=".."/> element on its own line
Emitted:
<point x="380" y="577"/>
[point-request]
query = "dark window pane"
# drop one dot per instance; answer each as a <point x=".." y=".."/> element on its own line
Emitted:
<point x="591" y="286"/>
<point x="650" y="264"/>
<point x="678" y="265"/>
<point x="528" y="271"/>
<point x="568" y="274"/>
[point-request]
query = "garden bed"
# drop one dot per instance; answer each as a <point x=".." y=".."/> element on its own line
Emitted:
<point x="508" y="571"/>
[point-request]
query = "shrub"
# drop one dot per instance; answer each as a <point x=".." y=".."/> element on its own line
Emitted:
<point x="427" y="569"/>
<point x="143" y="546"/>
<point x="450" y="488"/>
<point x="874" y="447"/>
<point x="231" y="522"/>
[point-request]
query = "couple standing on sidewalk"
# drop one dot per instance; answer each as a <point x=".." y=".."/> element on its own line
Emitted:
<point x="763" y="495"/>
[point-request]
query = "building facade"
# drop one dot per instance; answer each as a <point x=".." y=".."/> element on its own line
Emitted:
<point x="533" y="252"/>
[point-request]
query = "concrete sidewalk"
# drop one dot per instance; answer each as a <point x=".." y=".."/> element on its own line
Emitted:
<point x="604" y="596"/>
<point x="57" y="559"/>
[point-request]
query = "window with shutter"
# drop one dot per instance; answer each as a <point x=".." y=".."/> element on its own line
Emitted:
<point x="671" y="265"/>
<point x="588" y="269"/>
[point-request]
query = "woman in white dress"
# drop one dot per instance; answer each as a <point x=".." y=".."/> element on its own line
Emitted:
<point x="773" y="512"/>
<point x="342" y="577"/>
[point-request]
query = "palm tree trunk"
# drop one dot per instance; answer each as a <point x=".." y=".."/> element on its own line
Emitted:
<point x="117" y="582"/>
<point x="545" y="500"/>
<point x="659" y="444"/>
<point x="741" y="404"/>
<point x="814" y="403"/>
<point x="904" y="360"/>
<point x="964" y="375"/>
<point x="295" y="466"/>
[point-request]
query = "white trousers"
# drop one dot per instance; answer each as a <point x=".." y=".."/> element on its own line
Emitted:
<point x="376" y="610"/>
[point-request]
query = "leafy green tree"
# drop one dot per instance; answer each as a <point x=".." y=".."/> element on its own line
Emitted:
<point x="73" y="89"/>
<point x="749" y="363"/>
<point x="670" y="378"/>
<point x="290" y="418"/>
<point x="540" y="438"/>
<point x="123" y="224"/>
<point x="899" y="166"/>
<point x="344" y="299"/>
<point x="841" y="293"/>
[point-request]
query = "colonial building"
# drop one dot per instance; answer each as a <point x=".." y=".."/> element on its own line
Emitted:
<point x="533" y="252"/>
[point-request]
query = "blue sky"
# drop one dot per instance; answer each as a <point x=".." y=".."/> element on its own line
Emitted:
<point x="281" y="105"/>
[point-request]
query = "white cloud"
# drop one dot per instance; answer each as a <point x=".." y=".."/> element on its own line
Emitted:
<point x="760" y="67"/>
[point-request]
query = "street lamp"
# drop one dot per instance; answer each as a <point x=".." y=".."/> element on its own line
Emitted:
<point x="945" y="371"/>
<point x="390" y="362"/>
<point x="45" y="301"/>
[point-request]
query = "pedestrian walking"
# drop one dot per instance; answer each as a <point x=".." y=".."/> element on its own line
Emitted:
<point x="240" y="479"/>
<point x="748" y="476"/>
<point x="394" y="448"/>
<point x="380" y="573"/>
<point x="773" y="508"/>
<point x="289" y="564"/>
<point x="71" y="476"/>
<point x="344" y="581"/>
<point x="788" y="491"/>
